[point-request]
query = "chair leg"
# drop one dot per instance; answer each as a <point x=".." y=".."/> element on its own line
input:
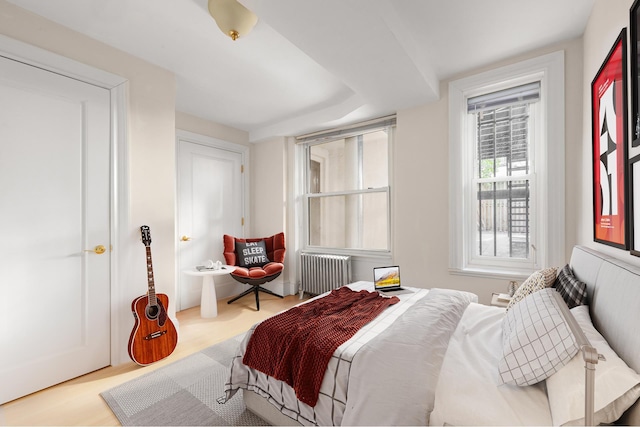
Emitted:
<point x="247" y="292"/>
<point x="267" y="291"/>
<point x="255" y="289"/>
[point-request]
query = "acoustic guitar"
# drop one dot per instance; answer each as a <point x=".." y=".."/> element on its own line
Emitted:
<point x="154" y="336"/>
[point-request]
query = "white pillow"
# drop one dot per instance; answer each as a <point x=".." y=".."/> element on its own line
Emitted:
<point x="617" y="386"/>
<point x="538" y="280"/>
<point x="536" y="340"/>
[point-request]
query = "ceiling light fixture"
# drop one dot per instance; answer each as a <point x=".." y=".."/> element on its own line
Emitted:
<point x="232" y="18"/>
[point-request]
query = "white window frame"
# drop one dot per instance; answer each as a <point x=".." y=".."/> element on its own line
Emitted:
<point x="470" y="194"/>
<point x="303" y="157"/>
<point x="547" y="185"/>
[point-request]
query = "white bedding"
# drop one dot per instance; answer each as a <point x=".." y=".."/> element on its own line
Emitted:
<point x="402" y="392"/>
<point x="361" y="368"/>
<point x="468" y="391"/>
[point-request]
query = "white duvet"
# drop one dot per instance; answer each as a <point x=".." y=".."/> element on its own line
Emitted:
<point x="469" y="390"/>
<point x="393" y="378"/>
<point x="385" y="374"/>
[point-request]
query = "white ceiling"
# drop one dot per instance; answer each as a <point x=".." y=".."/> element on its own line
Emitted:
<point x="314" y="64"/>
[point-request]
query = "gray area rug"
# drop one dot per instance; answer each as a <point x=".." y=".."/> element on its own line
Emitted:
<point x="186" y="392"/>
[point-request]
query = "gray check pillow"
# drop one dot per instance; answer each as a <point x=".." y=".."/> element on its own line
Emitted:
<point x="539" y="280"/>
<point x="573" y="291"/>
<point x="536" y="340"/>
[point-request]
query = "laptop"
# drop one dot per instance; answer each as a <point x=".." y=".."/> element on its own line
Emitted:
<point x="387" y="279"/>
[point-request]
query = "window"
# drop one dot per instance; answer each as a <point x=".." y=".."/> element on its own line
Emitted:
<point x="346" y="194"/>
<point x="503" y="124"/>
<point x="507" y="169"/>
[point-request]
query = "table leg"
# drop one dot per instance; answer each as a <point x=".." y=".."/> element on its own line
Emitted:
<point x="208" y="303"/>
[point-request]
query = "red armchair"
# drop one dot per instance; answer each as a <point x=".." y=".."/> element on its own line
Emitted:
<point x="257" y="261"/>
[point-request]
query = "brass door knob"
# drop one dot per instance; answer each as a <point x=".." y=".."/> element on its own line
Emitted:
<point x="185" y="238"/>
<point x="100" y="249"/>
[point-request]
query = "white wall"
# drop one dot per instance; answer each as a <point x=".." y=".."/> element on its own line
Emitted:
<point x="268" y="187"/>
<point x="269" y="202"/>
<point x="419" y="188"/>
<point x="607" y="19"/>
<point x="152" y="121"/>
<point x="151" y="126"/>
<point x="420" y="216"/>
<point x="420" y="193"/>
<point x="421" y="233"/>
<point x="204" y="127"/>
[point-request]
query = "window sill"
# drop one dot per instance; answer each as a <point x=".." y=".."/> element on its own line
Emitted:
<point x="490" y="274"/>
<point x="352" y="252"/>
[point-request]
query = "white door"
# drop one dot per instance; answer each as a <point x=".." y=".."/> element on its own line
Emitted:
<point x="54" y="205"/>
<point x="210" y="204"/>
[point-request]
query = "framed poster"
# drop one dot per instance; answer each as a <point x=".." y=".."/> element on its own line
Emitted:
<point x="634" y="22"/>
<point x="609" y="134"/>
<point x="634" y="144"/>
<point x="634" y="208"/>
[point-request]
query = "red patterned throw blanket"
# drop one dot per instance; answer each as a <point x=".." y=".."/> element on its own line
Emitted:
<point x="295" y="346"/>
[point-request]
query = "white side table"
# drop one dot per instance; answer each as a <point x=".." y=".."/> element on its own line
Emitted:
<point x="208" y="302"/>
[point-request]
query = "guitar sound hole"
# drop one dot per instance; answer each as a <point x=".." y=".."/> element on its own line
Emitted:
<point x="153" y="311"/>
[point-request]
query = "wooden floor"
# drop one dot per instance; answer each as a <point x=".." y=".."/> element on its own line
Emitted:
<point x="78" y="401"/>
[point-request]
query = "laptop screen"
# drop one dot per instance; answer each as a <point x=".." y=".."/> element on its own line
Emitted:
<point x="386" y="277"/>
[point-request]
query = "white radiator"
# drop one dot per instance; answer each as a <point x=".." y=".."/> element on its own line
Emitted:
<point x="324" y="272"/>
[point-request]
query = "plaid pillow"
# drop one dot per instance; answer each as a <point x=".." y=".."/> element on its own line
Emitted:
<point x="537" y="281"/>
<point x="573" y="291"/>
<point x="536" y="340"/>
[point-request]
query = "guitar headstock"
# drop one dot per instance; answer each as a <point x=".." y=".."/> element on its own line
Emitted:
<point x="146" y="235"/>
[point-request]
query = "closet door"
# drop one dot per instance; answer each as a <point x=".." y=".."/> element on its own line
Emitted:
<point x="210" y="204"/>
<point x="54" y="223"/>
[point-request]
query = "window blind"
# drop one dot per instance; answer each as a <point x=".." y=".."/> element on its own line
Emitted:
<point x="346" y="131"/>
<point x="529" y="93"/>
<point x="503" y="132"/>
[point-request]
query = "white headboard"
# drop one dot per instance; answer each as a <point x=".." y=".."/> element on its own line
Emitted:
<point x="613" y="289"/>
<point x="613" y="292"/>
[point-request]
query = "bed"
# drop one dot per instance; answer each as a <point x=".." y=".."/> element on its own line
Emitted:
<point x="437" y="357"/>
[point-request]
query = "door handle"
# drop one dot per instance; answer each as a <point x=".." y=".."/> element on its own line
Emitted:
<point x="185" y="238"/>
<point x="100" y="249"/>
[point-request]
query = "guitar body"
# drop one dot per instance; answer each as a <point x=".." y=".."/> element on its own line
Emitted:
<point x="154" y="336"/>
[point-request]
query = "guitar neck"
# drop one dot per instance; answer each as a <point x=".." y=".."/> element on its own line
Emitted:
<point x="152" y="286"/>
